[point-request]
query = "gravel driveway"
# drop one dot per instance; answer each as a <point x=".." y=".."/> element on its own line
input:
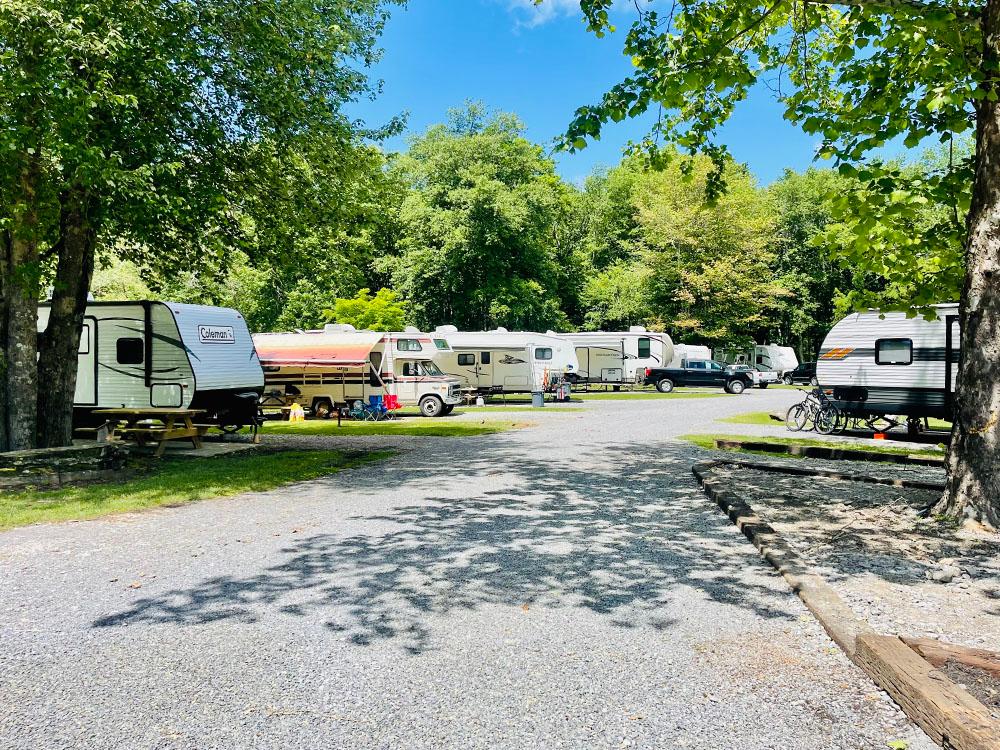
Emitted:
<point x="562" y="586"/>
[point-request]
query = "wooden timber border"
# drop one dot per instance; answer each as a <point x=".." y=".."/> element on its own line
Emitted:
<point x="947" y="712"/>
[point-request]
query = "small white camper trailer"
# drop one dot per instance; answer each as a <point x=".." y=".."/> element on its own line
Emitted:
<point x="878" y="364"/>
<point x="165" y="355"/>
<point x="502" y="361"/>
<point x="618" y="357"/>
<point x="338" y="365"/>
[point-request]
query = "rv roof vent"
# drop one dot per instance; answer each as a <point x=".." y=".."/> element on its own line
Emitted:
<point x="411" y="329"/>
<point x="501" y="329"/>
<point x="337" y="327"/>
<point x="446" y="329"/>
<point x="550" y="332"/>
<point x="637" y="329"/>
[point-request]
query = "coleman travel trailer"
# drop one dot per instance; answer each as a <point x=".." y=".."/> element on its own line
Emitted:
<point x="879" y="364"/>
<point x="335" y="366"/>
<point x="618" y="357"/>
<point x="165" y="355"/>
<point x="502" y="361"/>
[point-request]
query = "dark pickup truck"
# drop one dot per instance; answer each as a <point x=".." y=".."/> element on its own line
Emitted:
<point x="698" y="372"/>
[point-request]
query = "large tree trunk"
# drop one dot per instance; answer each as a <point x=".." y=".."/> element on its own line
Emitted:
<point x="21" y="271"/>
<point x="973" y="489"/>
<point x="58" y="345"/>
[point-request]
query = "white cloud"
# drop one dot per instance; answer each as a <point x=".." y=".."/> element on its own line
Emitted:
<point x="530" y="14"/>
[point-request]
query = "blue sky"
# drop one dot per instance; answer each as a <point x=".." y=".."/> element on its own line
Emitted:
<point x="542" y="65"/>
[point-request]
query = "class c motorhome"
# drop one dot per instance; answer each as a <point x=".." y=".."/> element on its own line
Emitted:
<point x="618" y="357"/>
<point x="338" y="365"/>
<point x="149" y="354"/>
<point x="875" y="363"/>
<point x="502" y="361"/>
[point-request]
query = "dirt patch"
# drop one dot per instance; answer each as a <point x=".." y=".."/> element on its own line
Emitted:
<point x="982" y="685"/>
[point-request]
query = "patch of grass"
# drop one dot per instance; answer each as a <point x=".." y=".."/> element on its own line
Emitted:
<point x="753" y="417"/>
<point x="176" y="482"/>
<point x="707" y="441"/>
<point x="440" y="427"/>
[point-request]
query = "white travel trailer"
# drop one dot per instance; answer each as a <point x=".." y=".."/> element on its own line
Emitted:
<point x="774" y="358"/>
<point x="878" y="364"/>
<point x="689" y="351"/>
<point x="502" y="361"/>
<point x="618" y="357"/>
<point x="165" y="355"/>
<point x="338" y="365"/>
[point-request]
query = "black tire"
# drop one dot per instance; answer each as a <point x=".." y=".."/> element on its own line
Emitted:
<point x="322" y="408"/>
<point x="787" y="380"/>
<point x="763" y="385"/>
<point x="448" y="409"/>
<point x="827" y="420"/>
<point x="736" y="387"/>
<point x="664" y="385"/>
<point x="796" y="417"/>
<point x="813" y="380"/>
<point x="431" y="406"/>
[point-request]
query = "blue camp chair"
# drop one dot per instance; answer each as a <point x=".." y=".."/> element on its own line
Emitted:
<point x="376" y="409"/>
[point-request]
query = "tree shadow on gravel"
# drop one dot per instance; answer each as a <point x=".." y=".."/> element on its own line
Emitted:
<point x="615" y="541"/>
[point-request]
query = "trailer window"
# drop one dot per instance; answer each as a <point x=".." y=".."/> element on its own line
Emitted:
<point x="484" y="357"/>
<point x="466" y="360"/>
<point x="543" y="353"/>
<point x="644" y="348"/>
<point x="84" y="347"/>
<point x="130" y="351"/>
<point x="408" y="345"/>
<point x="893" y="352"/>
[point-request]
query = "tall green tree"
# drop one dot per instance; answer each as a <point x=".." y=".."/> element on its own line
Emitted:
<point x="859" y="73"/>
<point x="479" y="244"/>
<point x="145" y="119"/>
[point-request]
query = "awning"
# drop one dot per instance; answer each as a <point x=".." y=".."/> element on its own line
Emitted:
<point x="348" y="349"/>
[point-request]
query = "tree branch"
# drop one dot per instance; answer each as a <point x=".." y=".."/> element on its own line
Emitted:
<point x="912" y="5"/>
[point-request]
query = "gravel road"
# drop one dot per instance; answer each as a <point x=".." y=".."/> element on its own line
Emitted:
<point x="562" y="586"/>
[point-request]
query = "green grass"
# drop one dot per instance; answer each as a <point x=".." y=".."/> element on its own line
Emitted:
<point x="708" y="442"/>
<point x="176" y="482"/>
<point x="753" y="417"/>
<point x="440" y="427"/>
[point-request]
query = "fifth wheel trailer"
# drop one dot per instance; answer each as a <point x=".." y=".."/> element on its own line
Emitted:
<point x="165" y="355"/>
<point x="618" y="357"/>
<point x="880" y="364"/>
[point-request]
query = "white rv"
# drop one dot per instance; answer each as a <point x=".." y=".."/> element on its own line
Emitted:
<point x="165" y="355"/>
<point x="501" y="361"/>
<point x="684" y="352"/>
<point x="618" y="357"/>
<point x="878" y="364"/>
<point x="779" y="359"/>
<point x="338" y="365"/>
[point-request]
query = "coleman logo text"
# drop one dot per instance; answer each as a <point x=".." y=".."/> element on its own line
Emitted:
<point x="216" y="335"/>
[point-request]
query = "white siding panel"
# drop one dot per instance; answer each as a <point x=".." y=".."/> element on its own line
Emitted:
<point x="220" y="363"/>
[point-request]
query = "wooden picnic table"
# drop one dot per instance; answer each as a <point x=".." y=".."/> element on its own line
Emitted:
<point x="171" y="430"/>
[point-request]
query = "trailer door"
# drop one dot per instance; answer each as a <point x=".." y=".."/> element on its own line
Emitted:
<point x="86" y="369"/>
<point x="484" y="370"/>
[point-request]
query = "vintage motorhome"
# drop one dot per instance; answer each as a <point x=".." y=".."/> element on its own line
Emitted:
<point x="502" y="361"/>
<point x="165" y="355"/>
<point x="874" y="363"/>
<point x="618" y="357"/>
<point x="338" y="365"/>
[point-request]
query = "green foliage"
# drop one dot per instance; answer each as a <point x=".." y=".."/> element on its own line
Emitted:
<point x="383" y="312"/>
<point x="478" y="225"/>
<point x="857" y="75"/>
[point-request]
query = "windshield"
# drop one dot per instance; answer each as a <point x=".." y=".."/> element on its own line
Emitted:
<point x="430" y="368"/>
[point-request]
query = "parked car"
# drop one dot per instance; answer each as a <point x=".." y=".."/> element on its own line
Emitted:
<point x="761" y="378"/>
<point x="804" y="373"/>
<point x="698" y="372"/>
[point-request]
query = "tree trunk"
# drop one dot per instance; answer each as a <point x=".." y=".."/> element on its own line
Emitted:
<point x="58" y="345"/>
<point x="21" y="271"/>
<point x="973" y="488"/>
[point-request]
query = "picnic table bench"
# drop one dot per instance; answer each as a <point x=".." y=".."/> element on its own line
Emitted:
<point x="176" y="424"/>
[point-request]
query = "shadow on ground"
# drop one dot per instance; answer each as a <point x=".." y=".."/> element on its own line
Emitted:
<point x="614" y="541"/>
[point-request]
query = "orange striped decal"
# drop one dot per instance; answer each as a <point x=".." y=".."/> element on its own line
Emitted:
<point x="839" y="353"/>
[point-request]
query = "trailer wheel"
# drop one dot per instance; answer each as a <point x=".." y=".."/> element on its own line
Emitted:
<point x="787" y="380"/>
<point x="736" y="387"/>
<point x="431" y="406"/>
<point x="322" y="408"/>
<point x="664" y="385"/>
